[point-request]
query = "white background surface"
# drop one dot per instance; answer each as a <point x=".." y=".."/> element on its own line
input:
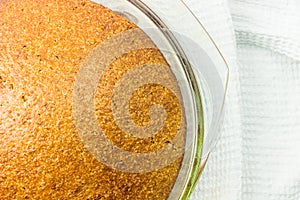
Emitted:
<point x="258" y="154"/>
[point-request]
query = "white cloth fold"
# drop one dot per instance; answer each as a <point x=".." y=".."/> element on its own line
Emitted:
<point x="257" y="156"/>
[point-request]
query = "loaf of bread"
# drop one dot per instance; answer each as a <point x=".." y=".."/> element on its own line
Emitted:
<point x="45" y="152"/>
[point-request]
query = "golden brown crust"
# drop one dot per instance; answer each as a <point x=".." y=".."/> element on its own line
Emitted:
<point x="42" y="46"/>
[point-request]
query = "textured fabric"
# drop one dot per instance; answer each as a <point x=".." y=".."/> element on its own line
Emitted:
<point x="257" y="156"/>
<point x="268" y="43"/>
<point x="271" y="130"/>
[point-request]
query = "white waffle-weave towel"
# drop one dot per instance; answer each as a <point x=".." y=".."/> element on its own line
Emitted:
<point x="258" y="154"/>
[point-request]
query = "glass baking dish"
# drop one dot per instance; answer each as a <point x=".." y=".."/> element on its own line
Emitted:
<point x="198" y="66"/>
<point x="185" y="74"/>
